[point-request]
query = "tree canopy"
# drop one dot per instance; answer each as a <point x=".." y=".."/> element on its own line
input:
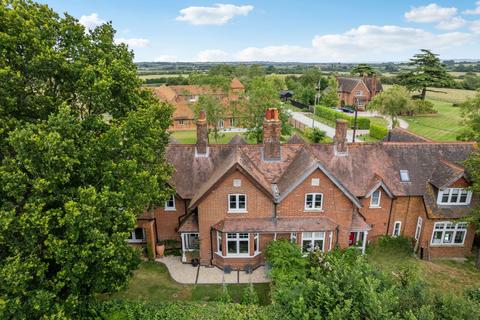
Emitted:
<point x="363" y="69"/>
<point x="81" y="155"/>
<point x="392" y="102"/>
<point x="425" y="70"/>
<point x="214" y="110"/>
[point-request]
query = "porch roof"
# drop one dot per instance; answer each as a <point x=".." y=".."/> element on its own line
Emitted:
<point x="190" y="224"/>
<point x="359" y="224"/>
<point x="271" y="225"/>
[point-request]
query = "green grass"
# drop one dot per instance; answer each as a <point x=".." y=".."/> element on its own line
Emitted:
<point x="151" y="282"/>
<point x="439" y="275"/>
<point x="378" y="121"/>
<point x="443" y="126"/>
<point x="446" y="94"/>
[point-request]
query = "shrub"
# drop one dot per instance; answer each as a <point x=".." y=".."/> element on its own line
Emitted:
<point x="378" y="132"/>
<point x="225" y="296"/>
<point x="332" y="115"/>
<point x="423" y="107"/>
<point x="397" y="244"/>
<point x="250" y="296"/>
<point x="286" y="260"/>
<point x="316" y="135"/>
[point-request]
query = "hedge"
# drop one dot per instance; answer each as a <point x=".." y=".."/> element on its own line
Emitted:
<point x="332" y="115"/>
<point x="378" y="132"/>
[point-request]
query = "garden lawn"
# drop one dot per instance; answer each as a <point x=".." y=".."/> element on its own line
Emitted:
<point x="445" y="94"/>
<point x="446" y="276"/>
<point x="151" y="282"/>
<point x="443" y="126"/>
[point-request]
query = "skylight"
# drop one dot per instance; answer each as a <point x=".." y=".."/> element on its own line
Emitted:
<point x="404" y="176"/>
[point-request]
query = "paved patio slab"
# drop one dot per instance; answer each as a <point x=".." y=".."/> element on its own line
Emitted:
<point x="187" y="274"/>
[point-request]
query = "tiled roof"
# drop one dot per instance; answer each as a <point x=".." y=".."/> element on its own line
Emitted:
<point x="446" y="173"/>
<point x="190" y="224"/>
<point x="237" y="140"/>
<point x="347" y="84"/>
<point x="268" y="225"/>
<point x="359" y="224"/>
<point x="295" y="139"/>
<point x="194" y="176"/>
<point x="402" y="135"/>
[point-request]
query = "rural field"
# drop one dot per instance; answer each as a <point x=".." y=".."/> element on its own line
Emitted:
<point x="446" y="94"/>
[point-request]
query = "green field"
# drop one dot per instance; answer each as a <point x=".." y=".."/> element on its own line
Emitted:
<point x="151" y="282"/>
<point x="444" y="126"/>
<point x="446" y="94"/>
<point x="155" y="76"/>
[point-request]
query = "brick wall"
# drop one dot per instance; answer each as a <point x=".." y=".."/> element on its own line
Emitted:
<point x="377" y="217"/>
<point x="167" y="220"/>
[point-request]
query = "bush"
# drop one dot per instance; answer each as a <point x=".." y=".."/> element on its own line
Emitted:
<point x="423" y="107"/>
<point x="316" y="135"/>
<point x="332" y="115"/>
<point x="378" y="132"/>
<point x="250" y="296"/>
<point x="397" y="244"/>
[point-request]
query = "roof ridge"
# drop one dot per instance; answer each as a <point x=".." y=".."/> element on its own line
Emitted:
<point x="451" y="164"/>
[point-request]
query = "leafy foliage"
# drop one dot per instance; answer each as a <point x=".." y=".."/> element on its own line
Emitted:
<point x="363" y="69"/>
<point x="81" y="155"/>
<point x="329" y="96"/>
<point x="214" y="110"/>
<point x="426" y="70"/>
<point x="471" y="114"/>
<point x="378" y="132"/>
<point x="332" y="115"/>
<point x="250" y="296"/>
<point x="392" y="102"/>
<point x="315" y="135"/>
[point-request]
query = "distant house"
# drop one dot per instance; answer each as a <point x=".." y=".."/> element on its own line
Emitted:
<point x="358" y="92"/>
<point x="183" y="97"/>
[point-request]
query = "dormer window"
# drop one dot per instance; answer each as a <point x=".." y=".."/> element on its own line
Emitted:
<point x="375" y="199"/>
<point x="170" y="204"/>
<point x="404" y="176"/>
<point x="454" y="196"/>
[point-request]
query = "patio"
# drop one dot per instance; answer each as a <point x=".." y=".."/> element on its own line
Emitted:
<point x="187" y="274"/>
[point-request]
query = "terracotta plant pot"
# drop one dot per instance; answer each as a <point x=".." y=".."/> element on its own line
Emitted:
<point x="160" y="250"/>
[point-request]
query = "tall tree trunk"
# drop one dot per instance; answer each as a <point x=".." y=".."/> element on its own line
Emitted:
<point x="424" y="93"/>
<point x="477" y="263"/>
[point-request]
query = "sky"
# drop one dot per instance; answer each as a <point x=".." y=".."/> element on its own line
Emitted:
<point x="285" y="31"/>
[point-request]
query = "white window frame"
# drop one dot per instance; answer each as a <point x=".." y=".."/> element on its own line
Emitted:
<point x="170" y="208"/>
<point x="256" y="241"/>
<point x="133" y="237"/>
<point x="315" y="182"/>
<point x="404" y="176"/>
<point x="418" y="228"/>
<point x="359" y="93"/>
<point x="372" y="203"/>
<point x="449" y="192"/>
<point x="360" y="103"/>
<point x="237" y="203"/>
<point x="237" y="239"/>
<point x="181" y="122"/>
<point x="221" y="124"/>
<point x="394" y="231"/>
<point x="185" y="241"/>
<point x="293" y="237"/>
<point x="219" y="242"/>
<point x="314" y="195"/>
<point x="359" y="236"/>
<point x="314" y="236"/>
<point x="441" y="227"/>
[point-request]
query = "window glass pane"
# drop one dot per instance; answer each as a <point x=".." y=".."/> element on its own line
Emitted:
<point x="318" y="201"/>
<point x="454" y="197"/>
<point x="231" y="235"/>
<point x="309" y="201"/>
<point x="463" y="196"/>
<point x="219" y="241"/>
<point x="138" y="233"/>
<point x="459" y="236"/>
<point x="404" y="176"/>
<point x="192" y="241"/>
<point x="448" y="237"/>
<point x="450" y="225"/>
<point x="307" y="235"/>
<point x="232" y="247"/>
<point x="241" y="201"/>
<point x="437" y="237"/>
<point x="243" y="235"/>
<point x="233" y="202"/>
<point x="243" y="246"/>
<point x="375" y="197"/>
<point x="445" y="194"/>
<point x="462" y="225"/>
<point x="306" y="245"/>
<point x="439" y="226"/>
<point x="318" y="244"/>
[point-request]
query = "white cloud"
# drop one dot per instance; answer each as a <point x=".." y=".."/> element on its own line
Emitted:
<point x="430" y="13"/>
<point x="216" y="15"/>
<point x="475" y="26"/>
<point x="92" y="21"/>
<point x="364" y="43"/>
<point x="451" y="24"/>
<point x="212" y="55"/>
<point x="166" y="58"/>
<point x="473" y="11"/>
<point x="134" y="42"/>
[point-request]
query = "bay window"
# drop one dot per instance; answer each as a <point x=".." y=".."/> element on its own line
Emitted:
<point x="454" y="196"/>
<point x="449" y="233"/>
<point x="237" y="202"/>
<point x="313" y="201"/>
<point x="238" y="244"/>
<point x="312" y="241"/>
<point x="219" y="242"/>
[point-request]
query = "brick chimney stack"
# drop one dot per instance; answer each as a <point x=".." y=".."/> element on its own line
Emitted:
<point x="272" y="127"/>
<point x="340" y="138"/>
<point x="202" y="134"/>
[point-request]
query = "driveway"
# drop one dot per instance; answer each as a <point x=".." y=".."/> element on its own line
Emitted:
<point x="301" y="117"/>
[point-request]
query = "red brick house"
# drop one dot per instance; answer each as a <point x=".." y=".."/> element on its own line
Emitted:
<point x="231" y="200"/>
<point x="183" y="97"/>
<point x="358" y="91"/>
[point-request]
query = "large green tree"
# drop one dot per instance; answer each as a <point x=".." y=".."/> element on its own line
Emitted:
<point x="81" y="155"/>
<point x="471" y="114"/>
<point x="215" y="112"/>
<point x="262" y="94"/>
<point x="362" y="69"/>
<point x="392" y="102"/>
<point x="329" y="96"/>
<point x="425" y="70"/>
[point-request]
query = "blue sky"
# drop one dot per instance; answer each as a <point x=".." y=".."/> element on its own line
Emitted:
<point x="301" y="30"/>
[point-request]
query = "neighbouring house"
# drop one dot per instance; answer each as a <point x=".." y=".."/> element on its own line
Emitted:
<point x="232" y="199"/>
<point x="358" y="92"/>
<point x="183" y="97"/>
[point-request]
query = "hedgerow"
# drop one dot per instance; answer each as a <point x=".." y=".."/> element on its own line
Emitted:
<point x="332" y="115"/>
<point x="378" y="132"/>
